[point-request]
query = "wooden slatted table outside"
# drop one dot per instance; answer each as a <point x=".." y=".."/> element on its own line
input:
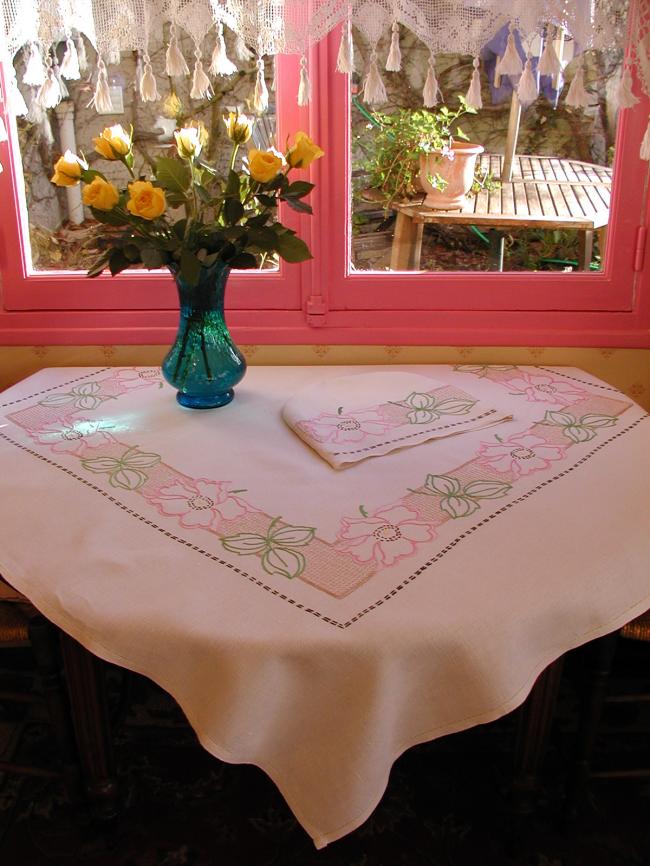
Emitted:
<point x="545" y="192"/>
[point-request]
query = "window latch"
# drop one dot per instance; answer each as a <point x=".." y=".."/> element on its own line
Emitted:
<point x="639" y="248"/>
<point x="316" y="311"/>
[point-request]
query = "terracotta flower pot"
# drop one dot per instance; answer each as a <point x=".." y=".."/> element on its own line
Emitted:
<point x="458" y="172"/>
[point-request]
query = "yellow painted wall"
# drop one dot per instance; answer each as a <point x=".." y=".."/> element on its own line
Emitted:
<point x="626" y="369"/>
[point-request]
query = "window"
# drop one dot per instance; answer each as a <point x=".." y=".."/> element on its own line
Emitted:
<point x="332" y="298"/>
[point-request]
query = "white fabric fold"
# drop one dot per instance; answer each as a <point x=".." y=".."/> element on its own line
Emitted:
<point x="352" y="418"/>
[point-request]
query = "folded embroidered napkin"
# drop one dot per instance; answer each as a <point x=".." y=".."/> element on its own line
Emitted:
<point x="351" y="418"/>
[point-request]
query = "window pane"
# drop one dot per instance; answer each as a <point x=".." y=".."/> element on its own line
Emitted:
<point x="549" y="214"/>
<point x="62" y="233"/>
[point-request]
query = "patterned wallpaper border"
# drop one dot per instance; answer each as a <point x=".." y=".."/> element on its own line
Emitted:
<point x="626" y="369"/>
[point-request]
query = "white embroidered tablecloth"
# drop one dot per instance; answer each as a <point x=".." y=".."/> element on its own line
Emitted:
<point x="316" y="622"/>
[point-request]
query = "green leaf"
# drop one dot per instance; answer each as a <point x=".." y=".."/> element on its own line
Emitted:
<point x="486" y="489"/>
<point x="245" y="543"/>
<point x="455" y="407"/>
<point x="99" y="266"/>
<point x="293" y="536"/>
<point x="233" y="210"/>
<point x="56" y="400"/>
<point x="152" y="258"/>
<point x="284" y="561"/>
<point x="101" y="464"/>
<point x="420" y="401"/>
<point x="118" y="262"/>
<point x="127" y="479"/>
<point x="562" y="419"/>
<point x="292" y="249"/>
<point x="243" y="261"/>
<point x="109" y="217"/>
<point x="132" y="252"/>
<point x="422" y="416"/>
<point x="179" y="228"/>
<point x="300" y="206"/>
<point x="460" y="134"/>
<point x="596" y="421"/>
<point x="232" y="184"/>
<point x="204" y="194"/>
<point x="458" y="506"/>
<point x="444" y="485"/>
<point x="140" y="460"/>
<point x="190" y="269"/>
<point x="266" y="200"/>
<point x="299" y="189"/>
<point x="172" y="174"/>
<point x="579" y="434"/>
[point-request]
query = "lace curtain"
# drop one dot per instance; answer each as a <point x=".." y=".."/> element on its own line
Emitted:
<point x="290" y="26"/>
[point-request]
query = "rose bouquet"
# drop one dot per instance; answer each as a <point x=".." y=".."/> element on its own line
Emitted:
<point x="187" y="216"/>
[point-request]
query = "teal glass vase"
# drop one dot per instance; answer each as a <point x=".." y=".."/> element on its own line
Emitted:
<point x="204" y="364"/>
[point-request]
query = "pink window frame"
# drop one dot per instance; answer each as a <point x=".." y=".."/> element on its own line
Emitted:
<point x="322" y="301"/>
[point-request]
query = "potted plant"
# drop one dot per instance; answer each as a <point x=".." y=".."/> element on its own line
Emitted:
<point x="423" y="150"/>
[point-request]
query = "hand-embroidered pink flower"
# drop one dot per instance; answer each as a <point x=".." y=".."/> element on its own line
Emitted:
<point x="351" y="427"/>
<point x="543" y="388"/>
<point x="385" y="536"/>
<point x="520" y="454"/>
<point x="132" y="378"/>
<point x="72" y="438"/>
<point x="200" y="503"/>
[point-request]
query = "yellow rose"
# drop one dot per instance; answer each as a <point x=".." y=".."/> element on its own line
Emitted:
<point x="100" y="194"/>
<point x="191" y="139"/>
<point x="304" y="151"/>
<point x="146" y="200"/>
<point x="67" y="169"/>
<point x="263" y="165"/>
<point x="113" y="143"/>
<point x="239" y="127"/>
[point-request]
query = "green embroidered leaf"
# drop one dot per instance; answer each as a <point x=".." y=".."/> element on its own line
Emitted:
<point x="292" y="536"/>
<point x="561" y="419"/>
<point x="285" y="561"/>
<point x="87" y="388"/>
<point x="101" y="464"/>
<point x="443" y="485"/>
<point x="598" y="421"/>
<point x="57" y="400"/>
<point x="577" y="434"/>
<point x="458" y="506"/>
<point x="88" y="402"/>
<point x="420" y="401"/>
<point x="140" y="460"/>
<point x="455" y="407"/>
<point x="486" y="489"/>
<point x="422" y="416"/>
<point x="245" y="543"/>
<point x="127" y="479"/>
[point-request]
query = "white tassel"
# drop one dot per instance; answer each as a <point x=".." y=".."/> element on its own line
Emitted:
<point x="3" y="130"/>
<point x="49" y="94"/>
<point x="81" y="53"/>
<point x="35" y="73"/>
<point x="148" y="86"/>
<point x="221" y="64"/>
<point x="304" y="90"/>
<point x="497" y="72"/>
<point x="624" y="97"/>
<point x="473" y="97"/>
<point x="394" y="61"/>
<point x="65" y="93"/>
<point x="201" y="87"/>
<point x="46" y="130"/>
<point x="431" y="88"/>
<point x="345" y="59"/>
<point x="374" y="92"/>
<point x="242" y="52"/>
<point x="260" y="93"/>
<point x="510" y="63"/>
<point x="70" y="63"/>
<point x="114" y="56"/>
<point x="549" y="62"/>
<point x="101" y="100"/>
<point x="36" y="113"/>
<point x="175" y="64"/>
<point x="17" y="102"/>
<point x="645" y="144"/>
<point x="527" y="90"/>
<point x="577" y="96"/>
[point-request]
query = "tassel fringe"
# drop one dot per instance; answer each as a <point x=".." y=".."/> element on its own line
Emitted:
<point x="394" y="61"/>
<point x="304" y="90"/>
<point x="431" y="88"/>
<point x="549" y="62"/>
<point x="473" y="97"/>
<point x="221" y="64"/>
<point x="81" y="53"/>
<point x="201" y="87"/>
<point x="70" y="63"/>
<point x="148" y="86"/>
<point x="102" y="98"/>
<point x="260" y="93"/>
<point x="497" y="72"/>
<point x="345" y="59"/>
<point x="374" y="92"/>
<point x="577" y="96"/>
<point x="3" y="131"/>
<point x="624" y="96"/>
<point x="175" y="63"/>
<point x="510" y="63"/>
<point x="35" y="73"/>
<point x="17" y="102"/>
<point x="242" y="52"/>
<point x="527" y="89"/>
<point x="645" y="144"/>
